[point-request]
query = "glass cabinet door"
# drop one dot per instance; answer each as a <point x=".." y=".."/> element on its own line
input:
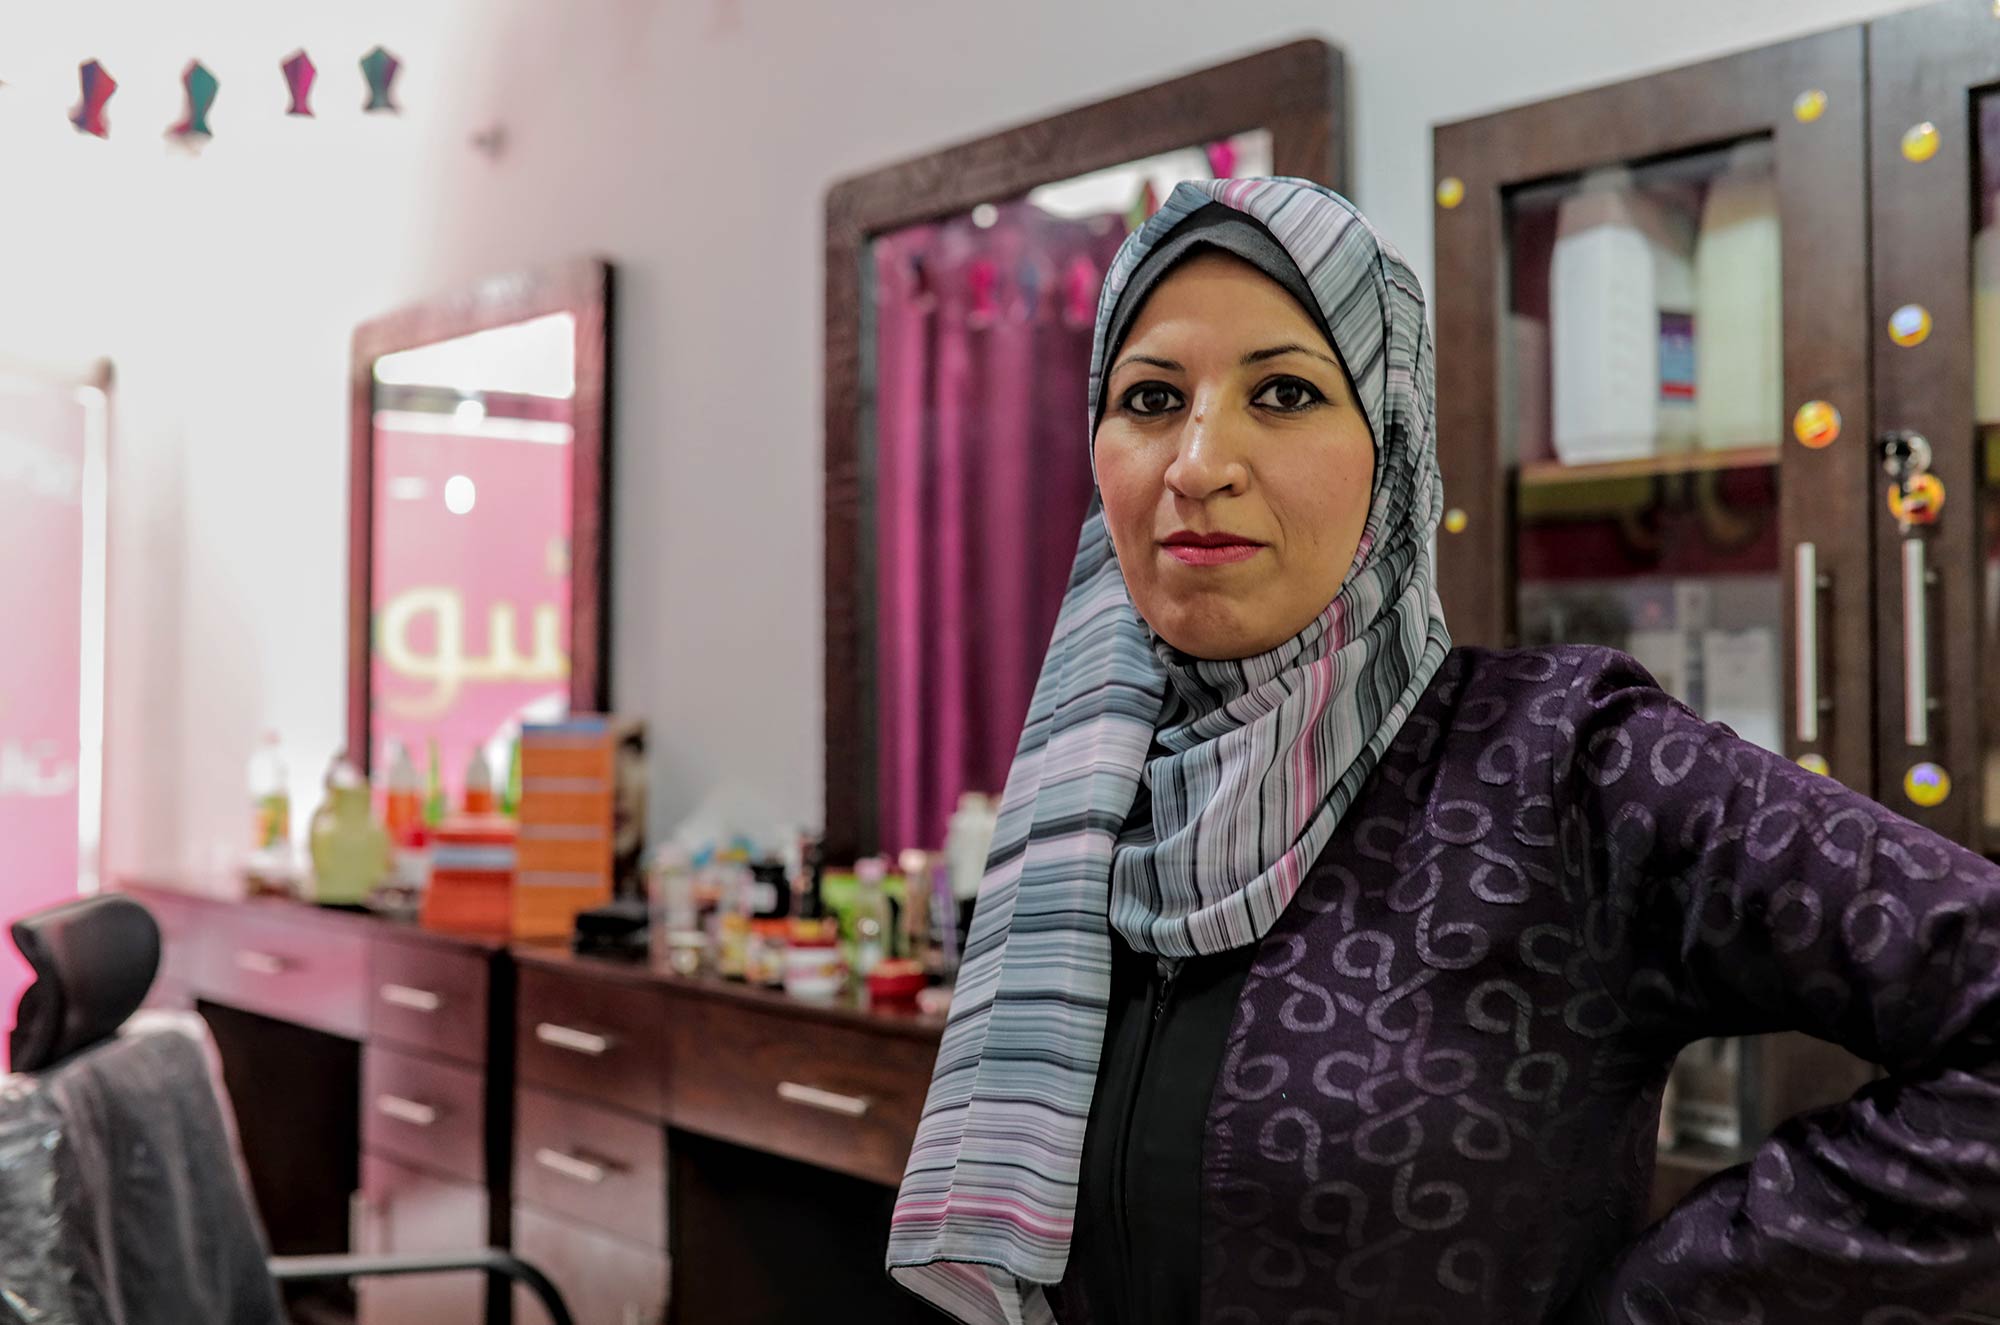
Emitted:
<point x="1652" y="387"/>
<point x="1653" y="419"/>
<point x="1935" y="340"/>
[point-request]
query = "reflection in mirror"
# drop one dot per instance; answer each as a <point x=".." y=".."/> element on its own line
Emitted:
<point x="470" y="584"/>
<point x="974" y="382"/>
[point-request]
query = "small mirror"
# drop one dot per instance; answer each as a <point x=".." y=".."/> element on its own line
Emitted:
<point x="480" y="443"/>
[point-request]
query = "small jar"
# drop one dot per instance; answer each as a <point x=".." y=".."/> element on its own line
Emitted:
<point x="764" y="961"/>
<point x="813" y="968"/>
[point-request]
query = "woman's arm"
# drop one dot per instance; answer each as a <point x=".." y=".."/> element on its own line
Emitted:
<point x="1723" y="890"/>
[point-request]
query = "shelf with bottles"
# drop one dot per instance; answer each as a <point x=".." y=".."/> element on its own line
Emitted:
<point x="1642" y="322"/>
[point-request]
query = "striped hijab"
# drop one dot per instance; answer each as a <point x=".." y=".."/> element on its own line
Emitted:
<point x="1247" y="766"/>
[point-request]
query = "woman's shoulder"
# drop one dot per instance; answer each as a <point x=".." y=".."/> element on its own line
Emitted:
<point x="1479" y="679"/>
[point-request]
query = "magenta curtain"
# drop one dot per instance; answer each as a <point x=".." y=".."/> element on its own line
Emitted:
<point x="982" y="361"/>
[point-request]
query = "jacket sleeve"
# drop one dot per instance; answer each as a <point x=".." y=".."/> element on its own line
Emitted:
<point x="1722" y="890"/>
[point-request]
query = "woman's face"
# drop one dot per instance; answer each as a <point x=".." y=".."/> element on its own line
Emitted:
<point x="1235" y="464"/>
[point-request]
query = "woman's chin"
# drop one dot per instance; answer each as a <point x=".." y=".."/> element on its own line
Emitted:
<point x="1215" y="631"/>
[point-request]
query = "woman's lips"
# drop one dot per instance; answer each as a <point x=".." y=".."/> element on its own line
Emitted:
<point x="1211" y="553"/>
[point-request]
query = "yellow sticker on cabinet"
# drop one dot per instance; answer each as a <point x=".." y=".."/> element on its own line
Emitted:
<point x="1816" y="424"/>
<point x="1926" y="784"/>
<point x="1809" y="106"/>
<point x="1451" y="192"/>
<point x="1455" y="520"/>
<point x="1910" y="325"/>
<point x="1816" y="763"/>
<point x="1920" y="142"/>
<point x="1919" y="501"/>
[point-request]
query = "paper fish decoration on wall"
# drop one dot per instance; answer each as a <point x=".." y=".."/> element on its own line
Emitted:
<point x="200" y="86"/>
<point x="380" y="69"/>
<point x="88" y="117"/>
<point x="299" y="75"/>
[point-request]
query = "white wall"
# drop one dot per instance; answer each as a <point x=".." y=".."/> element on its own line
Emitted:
<point x="692" y="143"/>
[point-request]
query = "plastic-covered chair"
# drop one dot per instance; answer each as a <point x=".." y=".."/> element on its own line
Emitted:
<point x="122" y="1200"/>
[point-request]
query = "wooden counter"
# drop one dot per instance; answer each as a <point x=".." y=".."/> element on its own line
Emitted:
<point x="662" y="1146"/>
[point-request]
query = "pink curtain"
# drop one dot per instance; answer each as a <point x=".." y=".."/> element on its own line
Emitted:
<point x="982" y="361"/>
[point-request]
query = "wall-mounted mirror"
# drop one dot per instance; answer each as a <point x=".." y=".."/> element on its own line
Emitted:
<point x="478" y="521"/>
<point x="961" y="297"/>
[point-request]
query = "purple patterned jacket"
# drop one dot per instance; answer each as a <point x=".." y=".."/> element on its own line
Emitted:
<point x="1436" y="1099"/>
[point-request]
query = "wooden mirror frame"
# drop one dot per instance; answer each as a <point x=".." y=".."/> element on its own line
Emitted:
<point x="582" y="288"/>
<point x="1297" y="92"/>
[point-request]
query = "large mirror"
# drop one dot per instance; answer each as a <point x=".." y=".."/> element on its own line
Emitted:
<point x="479" y="472"/>
<point x="961" y="297"/>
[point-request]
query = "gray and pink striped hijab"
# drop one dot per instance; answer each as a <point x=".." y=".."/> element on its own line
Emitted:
<point x="1246" y="766"/>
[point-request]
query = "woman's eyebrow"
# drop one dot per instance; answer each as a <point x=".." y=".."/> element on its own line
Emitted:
<point x="1151" y="360"/>
<point x="1279" y="351"/>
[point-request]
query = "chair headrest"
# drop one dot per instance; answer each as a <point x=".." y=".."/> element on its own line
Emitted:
<point x="94" y="959"/>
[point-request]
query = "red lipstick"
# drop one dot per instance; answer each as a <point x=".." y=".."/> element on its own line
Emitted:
<point x="1192" y="548"/>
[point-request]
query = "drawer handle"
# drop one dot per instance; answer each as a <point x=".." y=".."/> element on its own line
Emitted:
<point x="569" y="1166"/>
<point x="261" y="963"/>
<point x="405" y="1111"/>
<point x="850" y="1106"/>
<point x="576" y="1041"/>
<point x="416" y="1000"/>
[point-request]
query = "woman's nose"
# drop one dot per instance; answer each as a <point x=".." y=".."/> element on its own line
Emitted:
<point x="1211" y="459"/>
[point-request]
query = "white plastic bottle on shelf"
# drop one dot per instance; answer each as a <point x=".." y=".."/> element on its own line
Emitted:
<point x="1986" y="316"/>
<point x="1739" y="342"/>
<point x="968" y="838"/>
<point x="1605" y="357"/>
<point x="1678" y="424"/>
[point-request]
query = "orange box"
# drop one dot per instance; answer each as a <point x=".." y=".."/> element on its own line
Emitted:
<point x="582" y="819"/>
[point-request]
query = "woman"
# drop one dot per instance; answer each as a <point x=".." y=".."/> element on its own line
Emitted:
<point x="1325" y="973"/>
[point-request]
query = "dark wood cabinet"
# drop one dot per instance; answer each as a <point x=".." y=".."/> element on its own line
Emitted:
<point x="1934" y="338"/>
<point x="605" y="1280"/>
<point x="1654" y="425"/>
<point x="402" y="1210"/>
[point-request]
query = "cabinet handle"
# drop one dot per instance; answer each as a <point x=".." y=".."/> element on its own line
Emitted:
<point x="405" y="1111"/>
<point x="569" y="1166"/>
<point x="576" y="1041"/>
<point x="1806" y="587"/>
<point x="261" y="963"/>
<point x="851" y="1106"/>
<point x="1916" y="644"/>
<point x="416" y="1000"/>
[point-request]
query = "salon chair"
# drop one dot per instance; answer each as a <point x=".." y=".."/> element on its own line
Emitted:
<point x="122" y="1200"/>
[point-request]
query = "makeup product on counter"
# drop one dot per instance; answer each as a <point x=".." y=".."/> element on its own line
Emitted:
<point x="871" y="915"/>
<point x="672" y="922"/>
<point x="616" y="929"/>
<point x="350" y="851"/>
<point x="435" y="805"/>
<point x="402" y="797"/>
<point x="916" y="940"/>
<point x="813" y="969"/>
<point x="732" y="946"/>
<point x="770" y="891"/>
<point x="270" y="798"/>
<point x="479" y="797"/>
<point x="764" y="960"/>
<point x="897" y="982"/>
<point x="471" y="889"/>
<point x="570" y="807"/>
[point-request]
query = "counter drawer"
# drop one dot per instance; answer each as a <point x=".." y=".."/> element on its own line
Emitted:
<point x="600" y="1039"/>
<point x="592" y="1165"/>
<point x="843" y="1099"/>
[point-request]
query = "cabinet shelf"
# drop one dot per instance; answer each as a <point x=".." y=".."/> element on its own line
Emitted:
<point x="1554" y="473"/>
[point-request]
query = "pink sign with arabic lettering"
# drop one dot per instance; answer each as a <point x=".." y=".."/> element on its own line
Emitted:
<point x="43" y="445"/>
<point x="471" y="593"/>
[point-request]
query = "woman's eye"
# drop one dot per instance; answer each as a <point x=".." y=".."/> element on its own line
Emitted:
<point x="1289" y="395"/>
<point x="1151" y="398"/>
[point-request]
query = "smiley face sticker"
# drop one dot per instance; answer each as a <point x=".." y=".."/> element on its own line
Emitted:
<point x="1451" y="192"/>
<point x="1816" y="424"/>
<point x="1810" y="105"/>
<point x="1813" y="762"/>
<point x="1926" y="784"/>
<point x="1920" y="142"/>
<point x="1910" y="325"/>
